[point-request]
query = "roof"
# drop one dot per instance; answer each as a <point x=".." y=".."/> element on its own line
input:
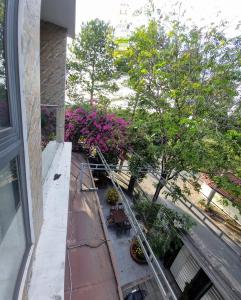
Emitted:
<point x="234" y="179"/>
<point x="61" y="13"/>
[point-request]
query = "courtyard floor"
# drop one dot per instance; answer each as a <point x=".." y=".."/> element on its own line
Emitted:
<point x="129" y="271"/>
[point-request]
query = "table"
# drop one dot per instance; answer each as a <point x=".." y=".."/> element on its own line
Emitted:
<point x="119" y="216"/>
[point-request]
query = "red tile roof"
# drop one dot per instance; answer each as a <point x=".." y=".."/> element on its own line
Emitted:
<point x="222" y="191"/>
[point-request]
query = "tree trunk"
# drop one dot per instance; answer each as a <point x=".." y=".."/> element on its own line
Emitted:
<point x="135" y="107"/>
<point x="131" y="185"/>
<point x="121" y="164"/>
<point x="210" y="197"/>
<point x="91" y="95"/>
<point x="159" y="187"/>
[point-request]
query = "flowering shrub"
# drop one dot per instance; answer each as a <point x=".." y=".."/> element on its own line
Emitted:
<point x="48" y="125"/>
<point x="97" y="129"/>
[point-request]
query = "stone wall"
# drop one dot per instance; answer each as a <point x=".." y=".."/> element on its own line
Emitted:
<point x="29" y="53"/>
<point x="53" y="69"/>
<point x="29" y="69"/>
<point x="51" y="90"/>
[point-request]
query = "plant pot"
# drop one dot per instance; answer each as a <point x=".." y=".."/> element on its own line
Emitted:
<point x="93" y="160"/>
<point x="135" y="257"/>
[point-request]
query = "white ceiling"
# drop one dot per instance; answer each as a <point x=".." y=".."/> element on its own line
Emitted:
<point x="61" y="13"/>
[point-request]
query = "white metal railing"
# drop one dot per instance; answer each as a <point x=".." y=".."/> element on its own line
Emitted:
<point x="159" y="275"/>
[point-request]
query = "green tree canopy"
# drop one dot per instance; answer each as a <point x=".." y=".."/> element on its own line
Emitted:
<point x="188" y="79"/>
<point x="91" y="64"/>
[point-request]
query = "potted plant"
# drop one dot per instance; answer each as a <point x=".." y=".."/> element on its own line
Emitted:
<point x="112" y="196"/>
<point x="136" y="252"/>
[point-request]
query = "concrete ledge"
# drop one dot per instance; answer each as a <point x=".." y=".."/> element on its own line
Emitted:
<point x="48" y="155"/>
<point x="48" y="269"/>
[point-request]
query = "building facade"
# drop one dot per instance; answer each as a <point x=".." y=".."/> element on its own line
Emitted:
<point x="33" y="41"/>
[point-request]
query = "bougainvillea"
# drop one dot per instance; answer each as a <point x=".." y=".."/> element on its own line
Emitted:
<point x="48" y="125"/>
<point x="95" y="128"/>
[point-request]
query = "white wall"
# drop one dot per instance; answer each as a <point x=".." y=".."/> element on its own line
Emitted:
<point x="229" y="209"/>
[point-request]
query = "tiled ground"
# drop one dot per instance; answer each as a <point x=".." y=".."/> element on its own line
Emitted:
<point x="128" y="270"/>
<point x="149" y="286"/>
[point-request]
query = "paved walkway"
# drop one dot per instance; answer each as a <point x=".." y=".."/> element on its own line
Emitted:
<point x="149" y="286"/>
<point x="218" y="258"/>
<point x="89" y="268"/>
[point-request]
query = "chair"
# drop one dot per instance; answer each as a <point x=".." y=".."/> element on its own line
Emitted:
<point x="127" y="226"/>
<point x="120" y="205"/>
<point x="113" y="208"/>
<point x="109" y="220"/>
<point x="136" y="294"/>
<point x="119" y="228"/>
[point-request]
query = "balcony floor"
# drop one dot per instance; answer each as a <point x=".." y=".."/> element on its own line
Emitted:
<point x="89" y="269"/>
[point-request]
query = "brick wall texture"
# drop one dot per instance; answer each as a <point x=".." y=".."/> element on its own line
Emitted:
<point x="52" y="65"/>
<point x="53" y="56"/>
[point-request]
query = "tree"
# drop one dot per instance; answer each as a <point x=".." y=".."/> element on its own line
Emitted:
<point x="164" y="225"/>
<point x="4" y="114"/>
<point x="91" y="64"/>
<point x="188" y="78"/>
<point x="143" y="152"/>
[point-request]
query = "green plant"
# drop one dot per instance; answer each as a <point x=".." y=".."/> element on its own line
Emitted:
<point x="224" y="202"/>
<point x="202" y="202"/>
<point x="237" y="205"/>
<point x="187" y="78"/>
<point x="147" y="211"/>
<point x="163" y="242"/>
<point x="112" y="196"/>
<point x="91" y="62"/>
<point x="163" y="224"/>
<point x="138" y="251"/>
<point x="208" y="208"/>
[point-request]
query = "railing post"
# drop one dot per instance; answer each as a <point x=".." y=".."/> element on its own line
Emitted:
<point x="81" y="176"/>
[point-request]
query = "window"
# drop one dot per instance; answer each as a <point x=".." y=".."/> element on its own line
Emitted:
<point x="15" y="238"/>
<point x="4" y="113"/>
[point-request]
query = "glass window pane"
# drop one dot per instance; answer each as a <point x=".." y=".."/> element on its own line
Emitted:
<point x="4" y="110"/>
<point x="12" y="231"/>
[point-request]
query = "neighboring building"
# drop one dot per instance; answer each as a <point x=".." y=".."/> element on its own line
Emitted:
<point x="190" y="277"/>
<point x="222" y="198"/>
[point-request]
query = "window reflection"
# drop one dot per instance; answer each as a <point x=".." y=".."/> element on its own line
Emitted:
<point x="4" y="112"/>
<point x="12" y="232"/>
